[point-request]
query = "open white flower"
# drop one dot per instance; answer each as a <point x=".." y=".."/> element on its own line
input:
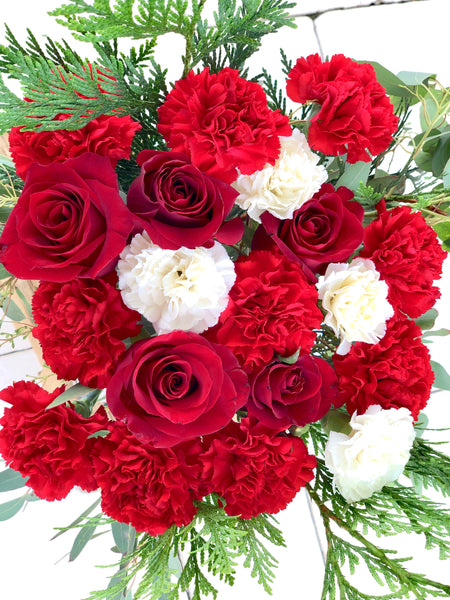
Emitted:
<point x="374" y="454"/>
<point x="355" y="299"/>
<point x="183" y="289"/>
<point x="283" y="187"/>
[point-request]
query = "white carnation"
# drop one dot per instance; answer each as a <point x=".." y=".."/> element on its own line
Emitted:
<point x="374" y="454"/>
<point x="355" y="299"/>
<point x="283" y="187"/>
<point x="183" y="289"/>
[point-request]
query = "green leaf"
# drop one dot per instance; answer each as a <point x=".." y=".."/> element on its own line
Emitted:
<point x="441" y="154"/>
<point x="12" y="311"/>
<point x="354" y="176"/>
<point x="99" y="434"/>
<point x="442" y="378"/>
<point x="11" y="480"/>
<point x="76" y="392"/>
<point x="83" y="537"/>
<point x="78" y="519"/>
<point x="9" y="509"/>
<point x="446" y="175"/>
<point x="414" y="77"/>
<point x="438" y="333"/>
<point x="393" y="85"/>
<point x="124" y="535"/>
<point x="4" y="273"/>
<point x="427" y="320"/>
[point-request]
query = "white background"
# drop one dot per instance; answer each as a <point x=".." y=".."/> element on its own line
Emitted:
<point x="410" y="36"/>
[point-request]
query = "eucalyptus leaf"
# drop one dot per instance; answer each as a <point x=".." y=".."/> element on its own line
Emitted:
<point x="446" y="175"/>
<point x="124" y="535"/>
<point x="354" y="176"/>
<point x="12" y="311"/>
<point x="11" y="480"/>
<point x="441" y="154"/>
<point x="427" y="320"/>
<point x="78" y="519"/>
<point x="438" y="333"/>
<point x="393" y="85"/>
<point x="441" y="377"/>
<point x="10" y="508"/>
<point x="83" y="537"/>
<point x="414" y="77"/>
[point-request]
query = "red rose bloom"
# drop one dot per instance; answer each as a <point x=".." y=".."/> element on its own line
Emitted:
<point x="407" y="254"/>
<point x="80" y="326"/>
<point x="150" y="488"/>
<point x="175" y="387"/>
<point x="328" y="228"/>
<point x="69" y="221"/>
<point x="356" y="116"/>
<point x="272" y="309"/>
<point x="222" y="121"/>
<point x="395" y="372"/>
<point x="107" y="135"/>
<point x="177" y="204"/>
<point x="51" y="447"/>
<point x="282" y="395"/>
<point x="255" y="470"/>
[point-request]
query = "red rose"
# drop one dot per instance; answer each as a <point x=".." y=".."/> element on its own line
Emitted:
<point x="177" y="204"/>
<point x="393" y="373"/>
<point x="150" y="488"/>
<point x="407" y="253"/>
<point x="356" y="116"/>
<point x="255" y="470"/>
<point x="80" y="326"/>
<point x="69" y="221"/>
<point x="175" y="387"/>
<point x="328" y="228"/>
<point x="282" y="395"/>
<point x="222" y="122"/>
<point x="272" y="310"/>
<point x="51" y="447"/>
<point x="109" y="136"/>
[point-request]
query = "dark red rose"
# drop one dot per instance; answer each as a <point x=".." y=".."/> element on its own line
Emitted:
<point x="222" y="122"/>
<point x="253" y="469"/>
<point x="356" y="116"/>
<point x="282" y="395"/>
<point x="407" y="253"/>
<point x="328" y="228"/>
<point x="80" y="326"/>
<point x="69" y="221"/>
<point x="272" y="310"/>
<point x="175" y="387"/>
<point x="51" y="447"/>
<point x="177" y="204"/>
<point x="150" y="488"/>
<point x="393" y="373"/>
<point x="109" y="136"/>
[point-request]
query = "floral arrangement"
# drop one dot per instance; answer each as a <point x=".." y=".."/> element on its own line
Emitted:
<point x="233" y="289"/>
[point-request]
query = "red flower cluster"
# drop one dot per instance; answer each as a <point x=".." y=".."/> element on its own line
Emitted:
<point x="80" y="326"/>
<point x="149" y="488"/>
<point x="326" y="229"/>
<point x="282" y="395"/>
<point x="177" y="204"/>
<point x="69" y="221"/>
<point x="255" y="470"/>
<point x="272" y="310"/>
<point x="50" y="447"/>
<point x="222" y="121"/>
<point x="175" y="387"/>
<point x="407" y="253"/>
<point x="356" y="116"/>
<point x="395" y="372"/>
<point x="109" y="136"/>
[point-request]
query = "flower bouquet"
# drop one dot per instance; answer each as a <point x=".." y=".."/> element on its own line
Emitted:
<point x="233" y="281"/>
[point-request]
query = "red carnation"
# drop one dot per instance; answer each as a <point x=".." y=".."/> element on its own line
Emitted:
<point x="255" y="470"/>
<point x="222" y="122"/>
<point x="109" y="136"/>
<point x="328" y="228"/>
<point x="178" y="205"/>
<point x="80" y="326"/>
<point x="150" y="488"/>
<point x="69" y="221"/>
<point x="282" y="394"/>
<point x="51" y="447"/>
<point x="407" y="253"/>
<point x="356" y="116"/>
<point x="393" y="373"/>
<point x="272" y="310"/>
<point x="175" y="387"/>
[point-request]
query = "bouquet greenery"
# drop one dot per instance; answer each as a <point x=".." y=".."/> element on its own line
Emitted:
<point x="233" y="282"/>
